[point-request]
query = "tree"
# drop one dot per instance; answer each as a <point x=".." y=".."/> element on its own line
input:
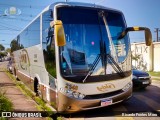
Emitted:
<point x="2" y="47"/>
<point x="136" y="57"/>
<point x="14" y="45"/>
<point x="2" y="54"/>
<point x="8" y="50"/>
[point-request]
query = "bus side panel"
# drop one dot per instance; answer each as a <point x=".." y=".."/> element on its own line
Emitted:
<point x="25" y="79"/>
<point x="38" y="70"/>
<point x="53" y="98"/>
<point x="22" y="70"/>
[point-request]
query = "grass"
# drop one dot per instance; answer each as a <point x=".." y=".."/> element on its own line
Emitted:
<point x="156" y="79"/>
<point x="156" y="74"/>
<point x="41" y="103"/>
<point x="5" y="104"/>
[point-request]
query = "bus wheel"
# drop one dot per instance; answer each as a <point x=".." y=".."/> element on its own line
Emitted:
<point x="37" y="87"/>
<point x="15" y="74"/>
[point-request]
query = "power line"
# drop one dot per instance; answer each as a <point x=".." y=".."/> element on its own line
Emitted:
<point x="21" y="19"/>
<point x="10" y="25"/>
<point x="24" y="6"/>
<point x="99" y="1"/>
<point x="9" y="28"/>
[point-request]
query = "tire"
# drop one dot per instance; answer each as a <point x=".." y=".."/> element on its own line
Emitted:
<point x="37" y="87"/>
<point x="15" y="74"/>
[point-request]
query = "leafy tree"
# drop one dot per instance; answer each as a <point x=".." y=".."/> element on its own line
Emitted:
<point x="8" y="50"/>
<point x="136" y="57"/>
<point x="2" y="47"/>
<point x="2" y="54"/>
<point x="14" y="45"/>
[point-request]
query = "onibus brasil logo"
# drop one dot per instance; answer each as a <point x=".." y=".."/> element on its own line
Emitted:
<point x="12" y="11"/>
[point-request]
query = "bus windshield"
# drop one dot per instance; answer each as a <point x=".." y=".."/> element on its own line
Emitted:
<point x="90" y="33"/>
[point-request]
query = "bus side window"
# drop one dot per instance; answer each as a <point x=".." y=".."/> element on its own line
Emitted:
<point x="48" y="44"/>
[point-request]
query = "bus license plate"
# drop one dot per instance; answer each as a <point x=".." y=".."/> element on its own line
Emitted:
<point x="106" y="102"/>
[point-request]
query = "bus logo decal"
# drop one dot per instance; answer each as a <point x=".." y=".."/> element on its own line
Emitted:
<point x="105" y="87"/>
<point x="71" y="87"/>
<point x="24" y="59"/>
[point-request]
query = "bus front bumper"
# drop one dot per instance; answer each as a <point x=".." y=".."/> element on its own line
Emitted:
<point x="67" y="104"/>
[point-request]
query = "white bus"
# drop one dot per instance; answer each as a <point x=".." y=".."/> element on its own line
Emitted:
<point x="76" y="56"/>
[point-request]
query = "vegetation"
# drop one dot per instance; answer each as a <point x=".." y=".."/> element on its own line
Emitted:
<point x="2" y="47"/>
<point x="135" y="57"/>
<point x="5" y="103"/>
<point x="15" y="45"/>
<point x="156" y="74"/>
<point x="2" y="54"/>
<point x="8" y="50"/>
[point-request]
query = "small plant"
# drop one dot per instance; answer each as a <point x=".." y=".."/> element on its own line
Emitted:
<point x="5" y="103"/>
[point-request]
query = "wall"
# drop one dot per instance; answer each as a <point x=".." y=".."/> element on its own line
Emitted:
<point x="146" y="57"/>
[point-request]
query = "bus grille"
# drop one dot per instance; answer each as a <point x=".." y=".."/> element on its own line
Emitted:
<point x="98" y="96"/>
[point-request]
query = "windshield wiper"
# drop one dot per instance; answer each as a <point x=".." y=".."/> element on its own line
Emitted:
<point x="109" y="58"/>
<point x="113" y="50"/>
<point x="94" y="65"/>
<point x="115" y="66"/>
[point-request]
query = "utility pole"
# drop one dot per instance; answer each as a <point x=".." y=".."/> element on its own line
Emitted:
<point x="157" y="30"/>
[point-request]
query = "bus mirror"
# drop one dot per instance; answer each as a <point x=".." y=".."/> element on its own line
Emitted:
<point x="58" y="32"/>
<point x="148" y="35"/>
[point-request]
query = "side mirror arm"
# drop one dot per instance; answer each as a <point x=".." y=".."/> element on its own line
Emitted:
<point x="148" y="35"/>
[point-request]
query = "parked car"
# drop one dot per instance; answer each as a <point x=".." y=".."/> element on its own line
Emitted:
<point x="9" y="66"/>
<point x="141" y="79"/>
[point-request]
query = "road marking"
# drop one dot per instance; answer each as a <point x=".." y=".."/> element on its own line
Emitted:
<point x="73" y="118"/>
<point x="124" y="118"/>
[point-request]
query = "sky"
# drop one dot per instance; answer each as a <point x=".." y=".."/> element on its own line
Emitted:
<point x="143" y="13"/>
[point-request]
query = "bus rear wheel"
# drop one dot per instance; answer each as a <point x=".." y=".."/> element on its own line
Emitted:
<point x="15" y="74"/>
<point x="37" y="87"/>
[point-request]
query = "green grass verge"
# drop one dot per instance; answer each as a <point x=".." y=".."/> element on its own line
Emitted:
<point x="5" y="104"/>
<point x="41" y="103"/>
<point x="156" y="74"/>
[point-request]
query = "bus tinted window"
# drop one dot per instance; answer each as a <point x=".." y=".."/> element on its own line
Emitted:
<point x="33" y="33"/>
<point x="48" y="43"/>
<point x="30" y="36"/>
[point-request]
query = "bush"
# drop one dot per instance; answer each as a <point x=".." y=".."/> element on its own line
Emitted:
<point x="5" y="104"/>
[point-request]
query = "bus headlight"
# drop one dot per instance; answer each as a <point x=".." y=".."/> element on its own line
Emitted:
<point x="78" y="95"/>
<point x="71" y="93"/>
<point x="127" y="86"/>
<point x="75" y="94"/>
